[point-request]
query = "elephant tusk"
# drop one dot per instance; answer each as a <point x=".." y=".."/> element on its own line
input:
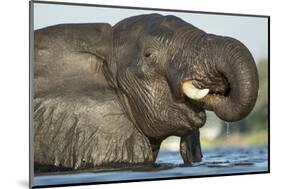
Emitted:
<point x="192" y="92"/>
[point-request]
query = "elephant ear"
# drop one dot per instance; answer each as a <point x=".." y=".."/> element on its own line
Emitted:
<point x="72" y="57"/>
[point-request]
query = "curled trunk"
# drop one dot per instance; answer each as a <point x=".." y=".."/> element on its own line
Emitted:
<point x="236" y="64"/>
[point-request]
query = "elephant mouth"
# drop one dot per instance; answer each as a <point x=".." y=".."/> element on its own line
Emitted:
<point x="231" y="98"/>
<point x="210" y="95"/>
<point x="196" y="91"/>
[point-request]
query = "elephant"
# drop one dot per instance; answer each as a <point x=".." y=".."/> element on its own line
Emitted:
<point x="107" y="96"/>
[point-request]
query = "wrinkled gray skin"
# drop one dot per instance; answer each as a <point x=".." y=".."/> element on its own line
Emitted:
<point x="108" y="96"/>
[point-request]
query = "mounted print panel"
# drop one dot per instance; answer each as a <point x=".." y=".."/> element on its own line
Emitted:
<point x="120" y="94"/>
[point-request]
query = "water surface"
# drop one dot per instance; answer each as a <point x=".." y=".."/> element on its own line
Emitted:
<point x="169" y="164"/>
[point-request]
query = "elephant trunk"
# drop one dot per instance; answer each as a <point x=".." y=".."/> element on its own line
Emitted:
<point x="236" y="64"/>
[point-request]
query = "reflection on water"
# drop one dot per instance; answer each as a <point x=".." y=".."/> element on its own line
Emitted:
<point x="169" y="164"/>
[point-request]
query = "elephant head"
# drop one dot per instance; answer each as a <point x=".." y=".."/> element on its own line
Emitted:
<point x="171" y="72"/>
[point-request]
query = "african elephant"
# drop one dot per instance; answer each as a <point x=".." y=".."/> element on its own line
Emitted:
<point x="109" y="95"/>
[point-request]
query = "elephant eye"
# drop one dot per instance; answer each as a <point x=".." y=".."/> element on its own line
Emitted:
<point x="150" y="55"/>
<point x="147" y="54"/>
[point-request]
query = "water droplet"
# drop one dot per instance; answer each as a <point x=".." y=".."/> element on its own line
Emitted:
<point x="227" y="129"/>
<point x="227" y="133"/>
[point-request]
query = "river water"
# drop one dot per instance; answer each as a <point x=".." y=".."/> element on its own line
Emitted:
<point x="217" y="161"/>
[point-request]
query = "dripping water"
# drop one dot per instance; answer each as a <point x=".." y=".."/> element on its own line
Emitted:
<point x="227" y="132"/>
<point x="227" y="129"/>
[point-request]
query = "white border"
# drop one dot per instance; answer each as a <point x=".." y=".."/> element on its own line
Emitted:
<point x="14" y="92"/>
